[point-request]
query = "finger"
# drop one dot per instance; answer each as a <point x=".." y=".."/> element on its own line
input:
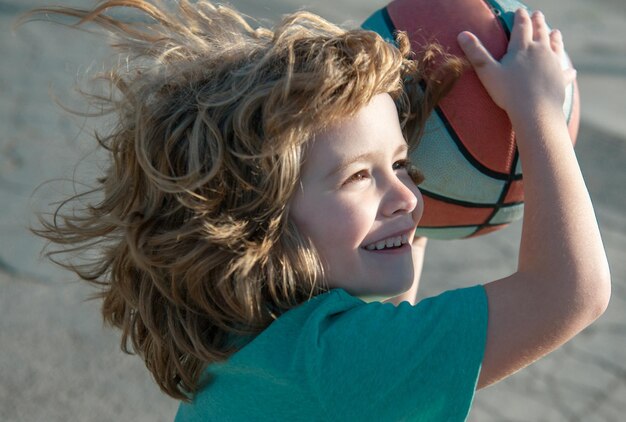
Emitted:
<point x="474" y="50"/>
<point x="556" y="42"/>
<point x="522" y="33"/>
<point x="540" y="28"/>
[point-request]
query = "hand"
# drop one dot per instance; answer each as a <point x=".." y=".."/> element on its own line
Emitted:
<point x="529" y="76"/>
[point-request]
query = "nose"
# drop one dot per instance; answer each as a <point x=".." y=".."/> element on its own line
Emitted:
<point x="400" y="197"/>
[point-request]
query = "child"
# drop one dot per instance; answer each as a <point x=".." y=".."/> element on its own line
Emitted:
<point x="259" y="182"/>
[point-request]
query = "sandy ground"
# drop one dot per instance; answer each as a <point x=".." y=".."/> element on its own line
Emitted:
<point x="57" y="361"/>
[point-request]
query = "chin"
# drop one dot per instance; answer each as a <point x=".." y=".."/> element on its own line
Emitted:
<point x="379" y="287"/>
<point x="398" y="290"/>
<point x="388" y="290"/>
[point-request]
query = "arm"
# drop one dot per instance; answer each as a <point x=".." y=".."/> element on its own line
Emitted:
<point x="419" y="248"/>
<point x="562" y="283"/>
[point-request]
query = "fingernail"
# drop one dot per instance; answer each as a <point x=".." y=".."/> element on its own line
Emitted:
<point x="464" y="38"/>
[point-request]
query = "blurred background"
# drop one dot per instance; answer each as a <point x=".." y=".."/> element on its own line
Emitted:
<point x="58" y="362"/>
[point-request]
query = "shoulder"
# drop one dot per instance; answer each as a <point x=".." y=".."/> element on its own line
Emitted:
<point x="339" y="310"/>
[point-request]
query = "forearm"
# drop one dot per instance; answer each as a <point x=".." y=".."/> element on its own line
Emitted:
<point x="561" y="244"/>
<point x="562" y="283"/>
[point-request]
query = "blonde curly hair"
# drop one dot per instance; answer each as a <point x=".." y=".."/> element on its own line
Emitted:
<point x="192" y="239"/>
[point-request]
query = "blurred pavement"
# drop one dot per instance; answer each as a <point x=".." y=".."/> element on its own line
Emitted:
<point x="58" y="363"/>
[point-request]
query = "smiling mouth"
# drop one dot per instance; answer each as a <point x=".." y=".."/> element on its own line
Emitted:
<point x="393" y="242"/>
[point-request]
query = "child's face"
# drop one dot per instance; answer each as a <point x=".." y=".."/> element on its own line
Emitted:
<point x="355" y="195"/>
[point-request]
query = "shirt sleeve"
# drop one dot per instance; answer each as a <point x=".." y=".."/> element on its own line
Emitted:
<point x="375" y="361"/>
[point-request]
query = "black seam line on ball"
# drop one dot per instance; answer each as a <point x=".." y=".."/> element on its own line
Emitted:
<point x="466" y="154"/>
<point x="505" y="190"/>
<point x="484" y="226"/>
<point x="445" y="199"/>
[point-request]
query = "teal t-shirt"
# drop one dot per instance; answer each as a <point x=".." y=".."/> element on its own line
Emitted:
<point x="338" y="358"/>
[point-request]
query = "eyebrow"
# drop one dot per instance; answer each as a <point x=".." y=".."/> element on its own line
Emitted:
<point x="362" y="157"/>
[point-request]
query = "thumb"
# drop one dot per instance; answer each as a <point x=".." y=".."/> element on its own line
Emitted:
<point x="476" y="53"/>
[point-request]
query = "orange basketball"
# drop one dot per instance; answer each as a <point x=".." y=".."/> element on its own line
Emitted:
<point x="474" y="182"/>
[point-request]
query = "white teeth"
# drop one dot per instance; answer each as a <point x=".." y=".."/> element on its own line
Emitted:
<point x="390" y="242"/>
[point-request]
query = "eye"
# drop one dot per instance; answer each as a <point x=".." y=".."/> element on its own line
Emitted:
<point x="402" y="164"/>
<point x="405" y="164"/>
<point x="357" y="177"/>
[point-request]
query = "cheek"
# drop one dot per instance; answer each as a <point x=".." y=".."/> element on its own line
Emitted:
<point x="308" y="216"/>
<point x="334" y="225"/>
<point x="346" y="223"/>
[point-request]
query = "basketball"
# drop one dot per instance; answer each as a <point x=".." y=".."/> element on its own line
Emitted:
<point x="474" y="182"/>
